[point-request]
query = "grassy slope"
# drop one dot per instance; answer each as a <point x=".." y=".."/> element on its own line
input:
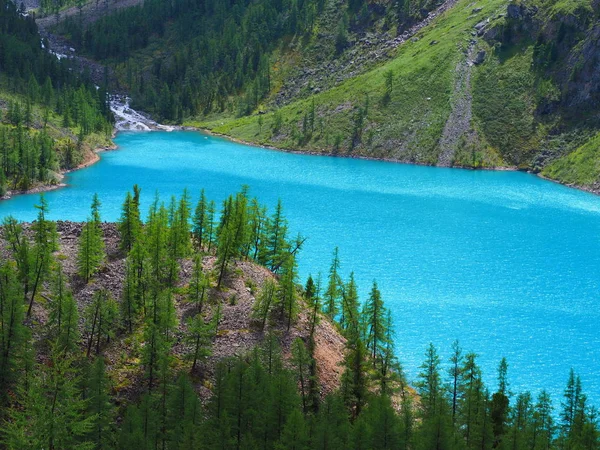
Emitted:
<point x="408" y="127"/>
<point x="505" y="90"/>
<point x="582" y="167"/>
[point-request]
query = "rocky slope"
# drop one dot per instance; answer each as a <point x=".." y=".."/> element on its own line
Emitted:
<point x="236" y="333"/>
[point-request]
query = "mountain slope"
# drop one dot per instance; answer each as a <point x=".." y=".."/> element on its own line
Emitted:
<point x="459" y="83"/>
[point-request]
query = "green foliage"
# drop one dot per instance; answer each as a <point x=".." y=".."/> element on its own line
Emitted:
<point x="37" y="89"/>
<point x="259" y="399"/>
<point x="582" y="167"/>
<point x="52" y="411"/>
<point x="91" y="244"/>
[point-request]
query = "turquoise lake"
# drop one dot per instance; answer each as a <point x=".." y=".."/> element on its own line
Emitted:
<point x="504" y="261"/>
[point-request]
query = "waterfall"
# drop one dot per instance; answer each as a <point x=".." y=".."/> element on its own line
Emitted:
<point x="128" y="119"/>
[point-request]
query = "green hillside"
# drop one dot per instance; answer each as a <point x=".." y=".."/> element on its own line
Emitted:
<point x="461" y="83"/>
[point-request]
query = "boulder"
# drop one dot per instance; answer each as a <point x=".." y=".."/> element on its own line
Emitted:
<point x="480" y="58"/>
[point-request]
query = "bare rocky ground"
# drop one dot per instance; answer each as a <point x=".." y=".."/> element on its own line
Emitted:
<point x="236" y="336"/>
<point x="458" y="124"/>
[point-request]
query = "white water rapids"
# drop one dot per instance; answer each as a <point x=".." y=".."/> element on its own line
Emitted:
<point x="128" y="119"/>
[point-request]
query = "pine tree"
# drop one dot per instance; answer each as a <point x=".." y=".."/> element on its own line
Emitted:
<point x="500" y="404"/>
<point x="301" y="362"/>
<point x="349" y="319"/>
<point x="100" y="319"/>
<point x="455" y="372"/>
<point x="184" y="416"/>
<point x="294" y="435"/>
<point x="436" y="420"/>
<point x="200" y="222"/>
<point x="276" y="246"/>
<point x="129" y="305"/>
<point x="354" y="384"/>
<point x="67" y="337"/>
<point x="156" y="235"/>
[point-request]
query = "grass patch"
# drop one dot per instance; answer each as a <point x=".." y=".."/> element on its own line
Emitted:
<point x="582" y="167"/>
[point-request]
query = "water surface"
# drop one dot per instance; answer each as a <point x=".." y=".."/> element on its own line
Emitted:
<point x="504" y="261"/>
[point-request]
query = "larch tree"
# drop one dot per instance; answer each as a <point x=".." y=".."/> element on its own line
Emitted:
<point x="334" y="286"/>
<point x="199" y="284"/>
<point x="200" y="222"/>
<point x="374" y="314"/>
<point x="13" y="334"/>
<point x="91" y="244"/>
<point x="45" y="243"/>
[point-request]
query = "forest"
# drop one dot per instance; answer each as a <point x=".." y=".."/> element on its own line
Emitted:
<point x="49" y="108"/>
<point x="81" y="367"/>
<point x="215" y="56"/>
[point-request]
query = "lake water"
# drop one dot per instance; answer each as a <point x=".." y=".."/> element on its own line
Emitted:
<point x="504" y="261"/>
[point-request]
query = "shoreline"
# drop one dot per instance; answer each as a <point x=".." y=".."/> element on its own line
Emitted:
<point x="338" y="155"/>
<point x="96" y="157"/>
<point x="61" y="175"/>
<point x="588" y="189"/>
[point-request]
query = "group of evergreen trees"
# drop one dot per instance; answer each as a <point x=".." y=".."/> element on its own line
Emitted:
<point x="217" y="55"/>
<point x="59" y="392"/>
<point x="41" y="90"/>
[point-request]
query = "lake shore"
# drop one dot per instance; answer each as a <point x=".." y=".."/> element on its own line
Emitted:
<point x="93" y="158"/>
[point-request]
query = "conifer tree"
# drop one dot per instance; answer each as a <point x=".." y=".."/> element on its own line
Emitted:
<point x="500" y="404"/>
<point x="199" y="284"/>
<point x="199" y="338"/>
<point x="264" y="302"/>
<point x="129" y="223"/>
<point x="67" y="338"/>
<point x="91" y="245"/>
<point x="374" y="314"/>
<point x="13" y="334"/>
<point x="179" y="245"/>
<point x="257" y="229"/>
<point x="349" y="319"/>
<point x="100" y="319"/>
<point x="184" y="416"/>
<point x="45" y="242"/>
<point x="354" y="384"/>
<point x="51" y="413"/>
<point x="276" y="246"/>
<point x="200" y="222"/>
<point x="334" y="284"/>
<point x="156" y="235"/>
<point x="301" y="361"/>
<point x="454" y="372"/>
<point x="99" y="407"/>
<point x="543" y="422"/>
<point x="129" y="305"/>
<point x="436" y="419"/>
<point x="286" y="292"/>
